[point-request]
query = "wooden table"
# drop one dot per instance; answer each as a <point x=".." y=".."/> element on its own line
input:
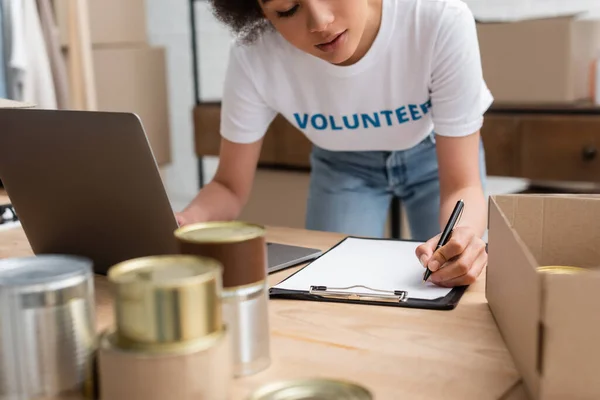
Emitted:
<point x="397" y="353"/>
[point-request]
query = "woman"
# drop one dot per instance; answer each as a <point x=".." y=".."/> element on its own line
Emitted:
<point x="368" y="82"/>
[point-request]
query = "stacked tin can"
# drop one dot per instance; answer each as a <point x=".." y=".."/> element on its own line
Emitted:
<point x="241" y="249"/>
<point x="47" y="328"/>
<point x="317" y="388"/>
<point x="169" y="341"/>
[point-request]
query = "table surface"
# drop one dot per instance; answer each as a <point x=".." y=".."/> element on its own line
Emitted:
<point x="394" y="352"/>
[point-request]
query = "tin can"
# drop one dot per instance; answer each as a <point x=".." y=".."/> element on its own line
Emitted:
<point x="561" y="270"/>
<point x="47" y="328"/>
<point x="169" y="340"/>
<point x="241" y="249"/>
<point x="303" y="389"/>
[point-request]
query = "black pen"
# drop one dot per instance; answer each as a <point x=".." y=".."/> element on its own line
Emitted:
<point x="452" y="222"/>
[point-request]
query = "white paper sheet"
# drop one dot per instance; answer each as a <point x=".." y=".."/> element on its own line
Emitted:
<point x="378" y="264"/>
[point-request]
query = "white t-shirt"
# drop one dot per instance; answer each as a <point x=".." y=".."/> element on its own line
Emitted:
<point x="422" y="74"/>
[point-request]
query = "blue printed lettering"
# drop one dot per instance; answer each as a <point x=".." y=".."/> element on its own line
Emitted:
<point x="333" y="125"/>
<point x="347" y="124"/>
<point x="322" y="125"/>
<point x="301" y="123"/>
<point x="366" y="118"/>
<point x="388" y="116"/>
<point x="414" y="112"/>
<point x="402" y="115"/>
<point x="425" y="107"/>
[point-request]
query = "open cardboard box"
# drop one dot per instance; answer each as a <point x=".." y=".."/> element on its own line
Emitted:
<point x="550" y="323"/>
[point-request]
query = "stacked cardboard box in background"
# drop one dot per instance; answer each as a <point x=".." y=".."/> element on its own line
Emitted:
<point x="130" y="74"/>
<point x="539" y="59"/>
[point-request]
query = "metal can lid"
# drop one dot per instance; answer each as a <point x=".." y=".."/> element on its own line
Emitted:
<point x="168" y="271"/>
<point x="310" y="389"/>
<point x="167" y="299"/>
<point x="219" y="232"/>
<point x="43" y="273"/>
<point x="561" y="270"/>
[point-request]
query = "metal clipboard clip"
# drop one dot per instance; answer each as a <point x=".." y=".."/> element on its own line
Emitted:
<point x="396" y="296"/>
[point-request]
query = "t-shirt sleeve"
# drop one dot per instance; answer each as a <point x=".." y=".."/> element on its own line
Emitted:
<point x="245" y="116"/>
<point x="459" y="95"/>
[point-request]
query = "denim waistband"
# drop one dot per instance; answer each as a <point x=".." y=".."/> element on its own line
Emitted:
<point x="371" y="159"/>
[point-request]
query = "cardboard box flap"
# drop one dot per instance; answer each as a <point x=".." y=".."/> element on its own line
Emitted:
<point x="515" y="303"/>
<point x="524" y="214"/>
<point x="571" y="357"/>
<point x="570" y="237"/>
<point x="571" y="196"/>
<point x="506" y="204"/>
<point x="551" y="226"/>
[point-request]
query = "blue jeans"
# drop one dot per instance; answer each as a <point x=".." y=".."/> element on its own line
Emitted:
<point x="350" y="192"/>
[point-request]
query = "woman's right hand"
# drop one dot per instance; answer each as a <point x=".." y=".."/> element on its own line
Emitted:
<point x="188" y="216"/>
<point x="181" y="219"/>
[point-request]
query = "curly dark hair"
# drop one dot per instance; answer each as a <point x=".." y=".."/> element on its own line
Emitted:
<point x="244" y="17"/>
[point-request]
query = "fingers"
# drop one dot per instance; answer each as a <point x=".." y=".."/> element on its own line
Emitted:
<point x="457" y="244"/>
<point x="425" y="250"/>
<point x="465" y="269"/>
<point x="181" y="220"/>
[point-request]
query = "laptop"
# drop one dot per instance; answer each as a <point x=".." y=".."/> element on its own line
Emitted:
<point x="283" y="256"/>
<point x="86" y="183"/>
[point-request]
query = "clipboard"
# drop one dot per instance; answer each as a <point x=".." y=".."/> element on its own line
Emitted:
<point x="356" y="290"/>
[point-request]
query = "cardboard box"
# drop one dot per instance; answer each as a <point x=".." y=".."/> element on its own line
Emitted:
<point x="550" y="323"/>
<point x="539" y="60"/>
<point x="135" y="80"/>
<point x="112" y="22"/>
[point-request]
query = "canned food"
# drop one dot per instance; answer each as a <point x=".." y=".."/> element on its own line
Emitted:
<point x="246" y="312"/>
<point x="169" y="340"/>
<point x="561" y="270"/>
<point x="309" y="389"/>
<point x="166" y="299"/>
<point x="239" y="246"/>
<point x="241" y="249"/>
<point x="47" y="327"/>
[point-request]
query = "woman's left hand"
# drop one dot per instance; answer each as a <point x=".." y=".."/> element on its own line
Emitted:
<point x="457" y="263"/>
